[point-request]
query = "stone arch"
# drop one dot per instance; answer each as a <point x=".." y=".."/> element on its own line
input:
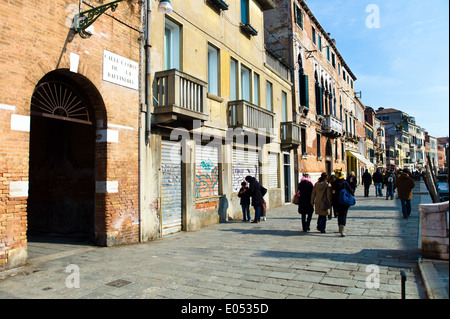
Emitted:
<point x="64" y="150"/>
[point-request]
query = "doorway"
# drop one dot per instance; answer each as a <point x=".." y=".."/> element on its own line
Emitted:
<point x="61" y="202"/>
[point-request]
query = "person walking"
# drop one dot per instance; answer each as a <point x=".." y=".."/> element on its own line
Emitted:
<point x="257" y="197"/>
<point x="244" y="194"/>
<point x="305" y="208"/>
<point x="378" y="182"/>
<point x="341" y="209"/>
<point x="321" y="200"/>
<point x="351" y="180"/>
<point x="366" y="181"/>
<point x="389" y="181"/>
<point x="404" y="185"/>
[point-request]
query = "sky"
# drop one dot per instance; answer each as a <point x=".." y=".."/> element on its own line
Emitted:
<point x="399" y="52"/>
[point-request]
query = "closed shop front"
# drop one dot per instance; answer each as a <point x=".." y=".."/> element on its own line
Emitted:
<point x="245" y="162"/>
<point x="206" y="171"/>
<point x="171" y="199"/>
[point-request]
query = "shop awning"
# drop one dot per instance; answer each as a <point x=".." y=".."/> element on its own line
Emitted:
<point x="362" y="159"/>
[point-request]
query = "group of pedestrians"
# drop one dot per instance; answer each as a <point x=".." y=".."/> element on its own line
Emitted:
<point x="322" y="198"/>
<point x="400" y="181"/>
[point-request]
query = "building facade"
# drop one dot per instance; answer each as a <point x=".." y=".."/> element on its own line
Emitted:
<point x="219" y="111"/>
<point x="323" y="86"/>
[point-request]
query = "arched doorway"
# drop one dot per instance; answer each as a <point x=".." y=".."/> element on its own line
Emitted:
<point x="62" y="170"/>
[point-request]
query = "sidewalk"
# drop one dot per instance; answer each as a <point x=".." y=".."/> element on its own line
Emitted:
<point x="272" y="260"/>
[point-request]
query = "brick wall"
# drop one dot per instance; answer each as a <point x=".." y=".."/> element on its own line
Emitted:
<point x="34" y="42"/>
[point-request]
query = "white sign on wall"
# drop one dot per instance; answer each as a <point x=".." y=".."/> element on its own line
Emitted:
<point x="120" y="70"/>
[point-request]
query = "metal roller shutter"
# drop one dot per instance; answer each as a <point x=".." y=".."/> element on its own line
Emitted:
<point x="245" y="162"/>
<point x="171" y="200"/>
<point x="273" y="171"/>
<point x="206" y="171"/>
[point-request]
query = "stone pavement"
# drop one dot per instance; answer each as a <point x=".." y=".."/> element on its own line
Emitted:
<point x="271" y="260"/>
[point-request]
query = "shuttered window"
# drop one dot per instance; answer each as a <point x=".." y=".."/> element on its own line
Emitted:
<point x="304" y="90"/>
<point x="298" y="16"/>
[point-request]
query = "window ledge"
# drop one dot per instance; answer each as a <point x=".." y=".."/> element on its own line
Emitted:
<point x="248" y="29"/>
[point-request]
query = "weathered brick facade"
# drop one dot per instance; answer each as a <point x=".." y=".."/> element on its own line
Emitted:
<point x="36" y="48"/>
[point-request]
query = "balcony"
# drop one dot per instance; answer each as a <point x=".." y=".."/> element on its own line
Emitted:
<point x="331" y="126"/>
<point x="250" y="117"/>
<point x="179" y="96"/>
<point x="290" y="134"/>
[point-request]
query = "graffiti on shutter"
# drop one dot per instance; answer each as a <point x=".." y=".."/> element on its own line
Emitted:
<point x="206" y="171"/>
<point x="171" y="199"/>
<point x="273" y="171"/>
<point x="245" y="162"/>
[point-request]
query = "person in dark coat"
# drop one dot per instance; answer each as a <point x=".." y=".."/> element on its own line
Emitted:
<point x="244" y="194"/>
<point x="342" y="210"/>
<point x="366" y="181"/>
<point x="305" y="208"/>
<point x="377" y="179"/>
<point x="257" y="197"/>
<point x="404" y="185"/>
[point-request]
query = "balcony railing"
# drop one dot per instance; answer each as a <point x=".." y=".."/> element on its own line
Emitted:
<point x="244" y="114"/>
<point x="290" y="134"/>
<point x="332" y="126"/>
<point x="179" y="96"/>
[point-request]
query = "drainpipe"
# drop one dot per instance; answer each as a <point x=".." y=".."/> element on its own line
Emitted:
<point x="148" y="84"/>
<point x="141" y="110"/>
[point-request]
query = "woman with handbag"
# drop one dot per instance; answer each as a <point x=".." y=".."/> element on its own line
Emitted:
<point x="304" y="190"/>
<point x="321" y="199"/>
<point x="341" y="208"/>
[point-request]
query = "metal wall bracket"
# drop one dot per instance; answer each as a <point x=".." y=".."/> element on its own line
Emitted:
<point x="84" y="19"/>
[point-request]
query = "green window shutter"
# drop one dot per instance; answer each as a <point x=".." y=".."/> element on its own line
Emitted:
<point x="304" y="90"/>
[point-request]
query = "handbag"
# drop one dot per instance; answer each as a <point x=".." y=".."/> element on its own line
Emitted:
<point x="296" y="199"/>
<point x="345" y="198"/>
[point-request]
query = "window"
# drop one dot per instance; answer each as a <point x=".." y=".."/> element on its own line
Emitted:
<point x="245" y="83"/>
<point x="233" y="80"/>
<point x="256" y="89"/>
<point x="303" y="140"/>
<point x="319" y="148"/>
<point x="298" y="16"/>
<point x="339" y="68"/>
<point x="320" y="42"/>
<point x="284" y="106"/>
<point x="333" y="60"/>
<point x="213" y="70"/>
<point x="304" y="91"/>
<point x="245" y="12"/>
<point x="269" y="94"/>
<point x="171" y="46"/>
<point x="328" y="53"/>
<point x="313" y="35"/>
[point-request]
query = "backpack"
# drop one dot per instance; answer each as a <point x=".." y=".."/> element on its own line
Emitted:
<point x="345" y="198"/>
<point x="263" y="190"/>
